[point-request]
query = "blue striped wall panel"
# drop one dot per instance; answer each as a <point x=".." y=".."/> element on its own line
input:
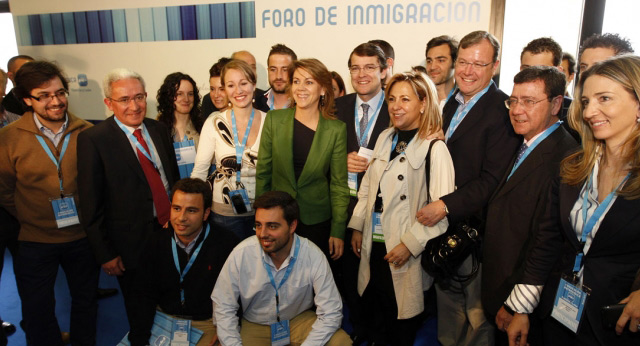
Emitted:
<point x="232" y="13"/>
<point x="93" y="25"/>
<point x="69" y="28"/>
<point x="203" y="22"/>
<point x="119" y="26"/>
<point x="57" y="26"/>
<point x="160" y="26"/>
<point x="24" y="31"/>
<point x="82" y="33"/>
<point x="106" y="26"/>
<point x="47" y="29"/>
<point x="174" y="23"/>
<point x="218" y="21"/>
<point x="36" y="30"/>
<point x="133" y="25"/>
<point x="248" y="19"/>
<point x="188" y="21"/>
<point x="146" y="25"/>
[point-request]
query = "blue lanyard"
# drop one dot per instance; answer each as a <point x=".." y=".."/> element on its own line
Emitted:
<point x="133" y="138"/>
<point x="459" y="115"/>
<point x="372" y="120"/>
<point x="56" y="162"/>
<point x="588" y="225"/>
<point x="533" y="145"/>
<point x="272" y="101"/>
<point x="453" y="90"/>
<point x="394" y="142"/>
<point x="174" y="249"/>
<point x="240" y="146"/>
<point x="292" y="261"/>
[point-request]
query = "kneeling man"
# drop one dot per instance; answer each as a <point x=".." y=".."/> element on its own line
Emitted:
<point x="278" y="277"/>
<point x="180" y="265"/>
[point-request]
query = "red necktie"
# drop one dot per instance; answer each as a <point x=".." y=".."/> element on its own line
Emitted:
<point x="160" y="197"/>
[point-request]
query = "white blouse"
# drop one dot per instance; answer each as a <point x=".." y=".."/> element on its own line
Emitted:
<point x="216" y="143"/>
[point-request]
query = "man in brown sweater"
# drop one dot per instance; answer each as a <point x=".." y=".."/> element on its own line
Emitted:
<point x="38" y="186"/>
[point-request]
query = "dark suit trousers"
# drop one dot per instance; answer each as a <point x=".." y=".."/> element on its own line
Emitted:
<point x="36" y="268"/>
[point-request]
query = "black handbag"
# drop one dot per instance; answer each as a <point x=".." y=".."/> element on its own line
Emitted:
<point x="444" y="254"/>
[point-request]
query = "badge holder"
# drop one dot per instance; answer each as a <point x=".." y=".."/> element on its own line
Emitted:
<point x="570" y="301"/>
<point x="180" y="331"/>
<point x="376" y="227"/>
<point x="186" y="156"/>
<point x="65" y="211"/>
<point x="280" y="334"/>
<point x="240" y="201"/>
<point x="352" y="181"/>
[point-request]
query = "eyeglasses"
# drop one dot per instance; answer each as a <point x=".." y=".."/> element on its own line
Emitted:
<point x="46" y="98"/>
<point x="525" y="103"/>
<point x="367" y="69"/>
<point x="140" y="98"/>
<point x="474" y="65"/>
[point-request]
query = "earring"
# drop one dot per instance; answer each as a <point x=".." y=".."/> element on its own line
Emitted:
<point x="229" y="103"/>
<point x="253" y="100"/>
<point x="638" y="120"/>
<point x="322" y="100"/>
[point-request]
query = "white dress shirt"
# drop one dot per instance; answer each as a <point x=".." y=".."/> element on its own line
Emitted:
<point x="244" y="276"/>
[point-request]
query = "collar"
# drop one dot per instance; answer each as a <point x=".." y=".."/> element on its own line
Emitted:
<point x="372" y="103"/>
<point x="528" y="142"/>
<point x="132" y="129"/>
<point x="192" y="244"/>
<point x="287" y="260"/>
<point x="460" y="98"/>
<point x="270" y="103"/>
<point x="415" y="153"/>
<point x="43" y="128"/>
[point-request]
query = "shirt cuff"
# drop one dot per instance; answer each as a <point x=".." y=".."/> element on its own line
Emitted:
<point x="524" y="298"/>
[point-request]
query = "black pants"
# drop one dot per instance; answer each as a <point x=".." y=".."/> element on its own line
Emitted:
<point x="380" y="310"/>
<point x="36" y="268"/>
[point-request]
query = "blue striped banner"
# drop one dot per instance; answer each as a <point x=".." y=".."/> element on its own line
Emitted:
<point x="171" y="23"/>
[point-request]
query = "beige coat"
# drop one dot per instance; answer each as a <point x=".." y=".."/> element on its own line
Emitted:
<point x="398" y="219"/>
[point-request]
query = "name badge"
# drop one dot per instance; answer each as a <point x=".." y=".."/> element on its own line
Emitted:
<point x="569" y="303"/>
<point x="65" y="212"/>
<point x="352" y="181"/>
<point x="376" y="227"/>
<point x="240" y="201"/>
<point x="186" y="157"/>
<point x="180" y="331"/>
<point x="280" y="335"/>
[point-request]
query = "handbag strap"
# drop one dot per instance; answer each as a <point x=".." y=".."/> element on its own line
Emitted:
<point x="428" y="168"/>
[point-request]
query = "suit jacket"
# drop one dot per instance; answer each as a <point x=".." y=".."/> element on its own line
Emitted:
<point x="513" y="214"/>
<point x="261" y="100"/>
<point x="321" y="191"/>
<point x="116" y="204"/>
<point x="481" y="148"/>
<point x="610" y="266"/>
<point x="345" y="111"/>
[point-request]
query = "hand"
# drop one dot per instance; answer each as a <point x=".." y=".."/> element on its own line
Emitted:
<point x="631" y="313"/>
<point x="214" y="341"/>
<point x="336" y="247"/>
<point x="356" y="242"/>
<point x="436" y="135"/>
<point x="503" y="319"/>
<point x="355" y="163"/>
<point x="518" y="330"/>
<point x="432" y="213"/>
<point x="398" y="256"/>
<point x="114" y="267"/>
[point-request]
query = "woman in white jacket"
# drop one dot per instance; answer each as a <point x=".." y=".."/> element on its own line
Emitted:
<point x="389" y="239"/>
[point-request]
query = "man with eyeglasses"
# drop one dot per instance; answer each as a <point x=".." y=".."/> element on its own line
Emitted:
<point x="38" y="171"/>
<point x="126" y="166"/>
<point x="522" y="196"/>
<point x="481" y="142"/>
<point x="441" y="55"/>
<point x="366" y="114"/>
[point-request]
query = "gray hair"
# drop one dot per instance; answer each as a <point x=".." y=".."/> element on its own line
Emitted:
<point x="119" y="74"/>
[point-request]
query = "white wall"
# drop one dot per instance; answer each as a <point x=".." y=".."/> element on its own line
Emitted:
<point x="525" y="21"/>
<point x="331" y="44"/>
<point x="8" y="47"/>
<point x="619" y="17"/>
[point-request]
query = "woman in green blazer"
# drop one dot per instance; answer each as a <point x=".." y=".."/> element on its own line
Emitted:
<point x="303" y="151"/>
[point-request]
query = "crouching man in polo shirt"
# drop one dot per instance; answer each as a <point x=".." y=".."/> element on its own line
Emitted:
<point x="277" y="277"/>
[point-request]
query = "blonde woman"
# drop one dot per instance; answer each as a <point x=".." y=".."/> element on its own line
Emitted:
<point x="387" y="237"/>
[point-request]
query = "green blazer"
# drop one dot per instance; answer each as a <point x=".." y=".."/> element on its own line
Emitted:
<point x="322" y="191"/>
